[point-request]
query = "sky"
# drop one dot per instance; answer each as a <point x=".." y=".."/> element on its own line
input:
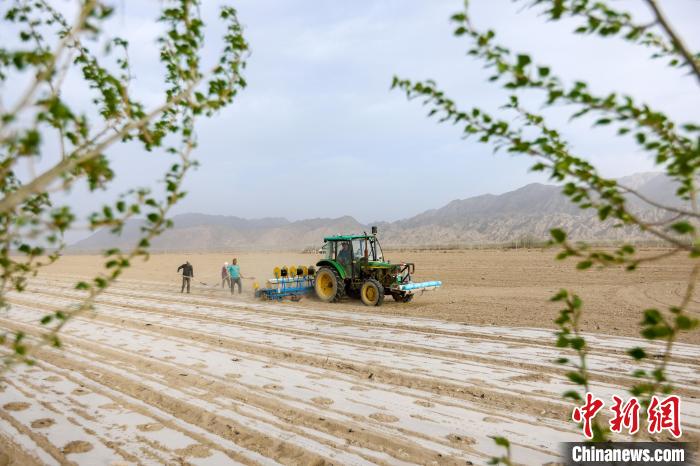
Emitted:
<point x="319" y="133"/>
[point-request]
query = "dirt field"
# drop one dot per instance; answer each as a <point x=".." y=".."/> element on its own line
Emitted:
<point x="480" y="287"/>
<point x="156" y="377"/>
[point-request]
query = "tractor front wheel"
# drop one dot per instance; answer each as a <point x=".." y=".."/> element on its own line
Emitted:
<point x="329" y="286"/>
<point x="372" y="293"/>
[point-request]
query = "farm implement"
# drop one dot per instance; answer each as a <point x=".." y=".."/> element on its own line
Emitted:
<point x="288" y="282"/>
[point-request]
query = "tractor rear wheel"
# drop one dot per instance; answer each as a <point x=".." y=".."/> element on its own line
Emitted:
<point x="329" y="286"/>
<point x="372" y="293"/>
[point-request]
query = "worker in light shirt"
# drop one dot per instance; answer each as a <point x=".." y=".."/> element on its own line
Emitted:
<point x="234" y="273"/>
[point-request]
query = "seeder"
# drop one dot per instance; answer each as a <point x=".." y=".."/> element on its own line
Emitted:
<point x="292" y="282"/>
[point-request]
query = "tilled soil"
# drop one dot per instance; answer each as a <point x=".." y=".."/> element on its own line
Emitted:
<point x="480" y="287"/>
<point x="156" y="377"/>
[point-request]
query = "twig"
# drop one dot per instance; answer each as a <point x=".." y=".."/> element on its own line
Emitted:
<point x="664" y="255"/>
<point x="653" y="203"/>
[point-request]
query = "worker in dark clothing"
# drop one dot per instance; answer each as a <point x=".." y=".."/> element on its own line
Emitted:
<point x="187" y="275"/>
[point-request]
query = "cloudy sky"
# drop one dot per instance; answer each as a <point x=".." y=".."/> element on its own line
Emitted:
<point x="319" y="133"/>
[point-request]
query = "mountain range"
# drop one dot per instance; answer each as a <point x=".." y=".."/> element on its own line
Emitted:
<point x="527" y="213"/>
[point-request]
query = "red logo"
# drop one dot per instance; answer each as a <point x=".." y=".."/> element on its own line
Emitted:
<point x="626" y="415"/>
<point x="662" y="414"/>
<point x="587" y="412"/>
<point x="665" y="415"/>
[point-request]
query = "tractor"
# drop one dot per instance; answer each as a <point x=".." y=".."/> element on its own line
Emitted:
<point x="355" y="266"/>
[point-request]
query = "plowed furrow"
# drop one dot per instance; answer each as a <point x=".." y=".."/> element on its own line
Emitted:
<point x="341" y="394"/>
<point x="520" y="337"/>
<point x="459" y="372"/>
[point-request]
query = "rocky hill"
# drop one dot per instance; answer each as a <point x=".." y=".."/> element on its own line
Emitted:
<point x="526" y="213"/>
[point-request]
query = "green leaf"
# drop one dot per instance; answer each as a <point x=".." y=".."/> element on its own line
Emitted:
<point x="562" y="342"/>
<point x="523" y="60"/>
<point x="560" y="296"/>
<point x="656" y="332"/>
<point x="501" y="441"/>
<point x="578" y="343"/>
<point x="684" y="322"/>
<point x="637" y="353"/>
<point x="576" y="302"/>
<point x="573" y="395"/>
<point x="584" y="265"/>
<point x="683" y="227"/>
<point x="651" y="317"/>
<point x="558" y="235"/>
<point x="659" y="375"/>
<point x="562" y="255"/>
<point x="576" y="377"/>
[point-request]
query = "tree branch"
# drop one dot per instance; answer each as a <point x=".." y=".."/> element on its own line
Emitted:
<point x="42" y="181"/>
<point x="29" y="93"/>
<point x="653" y="203"/>
<point x="675" y="38"/>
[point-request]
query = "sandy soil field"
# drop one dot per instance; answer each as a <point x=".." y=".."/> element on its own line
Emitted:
<point x="158" y="377"/>
<point x="480" y="287"/>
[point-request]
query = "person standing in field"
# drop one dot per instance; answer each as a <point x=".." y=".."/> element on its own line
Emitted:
<point x="187" y="275"/>
<point x="234" y="273"/>
<point x="225" y="278"/>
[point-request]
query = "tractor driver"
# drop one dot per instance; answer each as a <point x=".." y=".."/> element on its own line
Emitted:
<point x="344" y="254"/>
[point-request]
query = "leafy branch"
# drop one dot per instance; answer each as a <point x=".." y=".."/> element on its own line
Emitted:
<point x="30" y="225"/>
<point x="570" y="336"/>
<point x="675" y="148"/>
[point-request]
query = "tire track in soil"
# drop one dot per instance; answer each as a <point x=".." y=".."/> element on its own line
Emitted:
<point x="464" y="389"/>
<point x="132" y="432"/>
<point x="519" y="336"/>
<point x="142" y="313"/>
<point x="479" y="420"/>
<point x="598" y="363"/>
<point x="404" y="449"/>
<point x="554" y="394"/>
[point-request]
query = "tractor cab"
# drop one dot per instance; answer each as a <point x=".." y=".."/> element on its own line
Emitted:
<point x="352" y="253"/>
<point x="355" y="265"/>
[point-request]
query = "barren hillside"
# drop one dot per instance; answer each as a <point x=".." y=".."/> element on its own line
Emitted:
<point x="526" y="213"/>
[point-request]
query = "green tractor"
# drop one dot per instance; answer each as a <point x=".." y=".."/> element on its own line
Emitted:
<point x="355" y="266"/>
